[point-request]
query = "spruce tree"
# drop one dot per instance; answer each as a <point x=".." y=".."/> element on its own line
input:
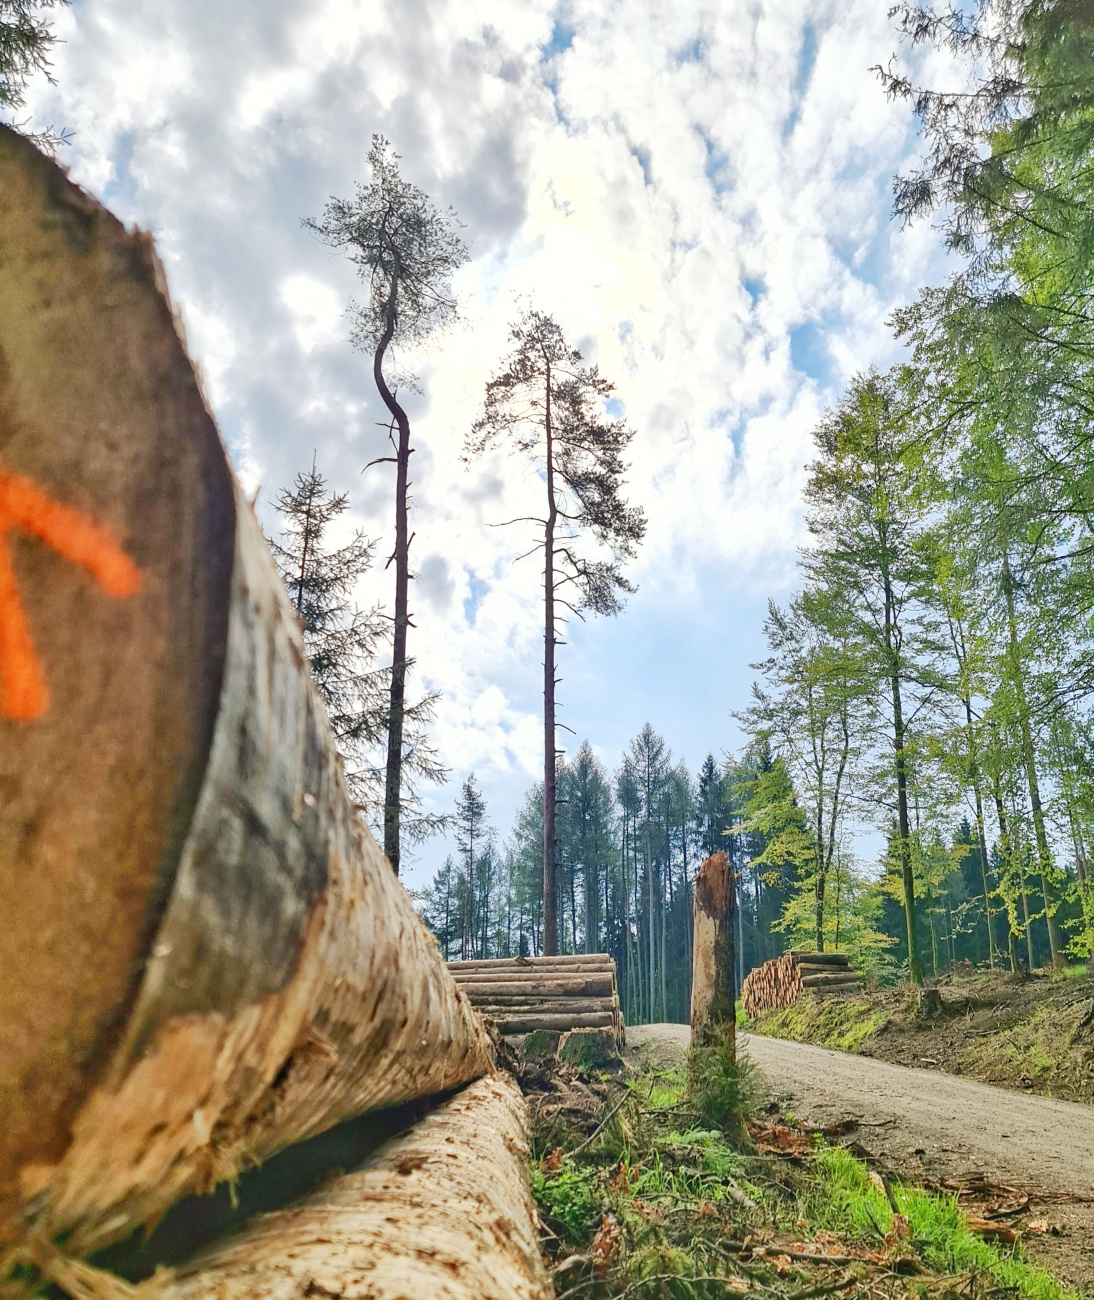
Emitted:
<point x="472" y="836"/>
<point x="343" y="641"/>
<point x="549" y="407"/>
<point x="26" y="40"/>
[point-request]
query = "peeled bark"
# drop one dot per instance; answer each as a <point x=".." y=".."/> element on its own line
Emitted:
<point x="444" y="1212"/>
<point x="205" y="956"/>
<point x="713" y="1011"/>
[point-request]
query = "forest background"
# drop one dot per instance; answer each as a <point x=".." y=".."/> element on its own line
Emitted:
<point x="958" y="736"/>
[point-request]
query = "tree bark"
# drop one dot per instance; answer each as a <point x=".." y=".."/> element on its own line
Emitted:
<point x="1044" y="853"/>
<point x="401" y="555"/>
<point x="205" y="957"/>
<point x="550" y="765"/>
<point x="713" y="996"/>
<point x="915" y="969"/>
<point x="444" y="1211"/>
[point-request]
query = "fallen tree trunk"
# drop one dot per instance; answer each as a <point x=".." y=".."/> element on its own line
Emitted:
<point x="444" y="1212"/>
<point x="804" y="956"/>
<point x="205" y="956"/>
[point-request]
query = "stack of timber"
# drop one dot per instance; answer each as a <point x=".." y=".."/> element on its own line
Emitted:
<point x="780" y="982"/>
<point x="206" y="958"/>
<point x="523" y="994"/>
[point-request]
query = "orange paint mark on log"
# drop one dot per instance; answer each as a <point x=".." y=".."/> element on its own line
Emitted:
<point x="76" y="536"/>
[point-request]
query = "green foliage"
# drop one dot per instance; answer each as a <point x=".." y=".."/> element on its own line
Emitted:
<point x="844" y="1200"/>
<point x="26" y="39"/>
<point x="723" y="1086"/>
<point x="570" y="1199"/>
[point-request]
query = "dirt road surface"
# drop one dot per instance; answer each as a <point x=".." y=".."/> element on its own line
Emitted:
<point x="930" y="1124"/>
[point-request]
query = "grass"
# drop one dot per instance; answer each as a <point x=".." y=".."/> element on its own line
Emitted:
<point x="841" y="1023"/>
<point x="651" y="1207"/>
<point x="842" y="1199"/>
<point x="1044" y="1049"/>
<point x="1077" y="972"/>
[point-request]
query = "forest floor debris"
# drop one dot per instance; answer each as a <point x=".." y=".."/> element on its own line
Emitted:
<point x="1035" y="1035"/>
<point x="649" y="1199"/>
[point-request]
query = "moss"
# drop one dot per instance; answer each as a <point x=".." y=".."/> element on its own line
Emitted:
<point x="588" y="1049"/>
<point x="1044" y="1050"/>
<point x="841" y="1023"/>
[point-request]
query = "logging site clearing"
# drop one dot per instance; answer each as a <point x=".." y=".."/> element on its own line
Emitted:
<point x="243" y="1056"/>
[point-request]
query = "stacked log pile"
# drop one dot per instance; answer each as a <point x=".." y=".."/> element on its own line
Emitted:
<point x="206" y="957"/>
<point x="780" y="982"/>
<point x="523" y="994"/>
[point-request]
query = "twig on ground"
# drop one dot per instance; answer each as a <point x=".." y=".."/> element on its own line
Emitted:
<point x="627" y="1095"/>
<point x="825" y="1288"/>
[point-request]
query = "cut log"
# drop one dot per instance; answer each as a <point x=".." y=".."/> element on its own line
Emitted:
<point x="801" y="956"/>
<point x="527" y="1024"/>
<point x="594" y="987"/>
<point x="205" y="956"/>
<point x="567" y="991"/>
<point x="829" y="981"/>
<point x="444" y="1212"/>
<point x="592" y="962"/>
<point x="713" y="999"/>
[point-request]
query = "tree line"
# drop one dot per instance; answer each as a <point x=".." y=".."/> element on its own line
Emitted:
<point x="932" y="675"/>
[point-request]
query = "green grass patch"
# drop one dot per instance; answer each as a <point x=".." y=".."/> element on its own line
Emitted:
<point x="844" y="1024"/>
<point x="1044" y="1048"/>
<point x="1077" y="972"/>
<point x="844" y="1200"/>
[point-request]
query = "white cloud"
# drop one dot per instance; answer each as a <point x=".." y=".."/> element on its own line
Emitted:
<point x="699" y="191"/>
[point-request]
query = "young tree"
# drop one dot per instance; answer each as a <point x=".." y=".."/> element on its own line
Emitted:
<point x="342" y="641"/>
<point x="809" y="713"/>
<point x="406" y="250"/>
<point x="550" y="407"/>
<point x="472" y="834"/>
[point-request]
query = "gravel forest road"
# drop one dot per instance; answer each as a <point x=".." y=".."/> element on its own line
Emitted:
<point x="944" y="1123"/>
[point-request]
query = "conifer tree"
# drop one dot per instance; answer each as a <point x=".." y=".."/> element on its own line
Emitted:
<point x="26" y="39"/>
<point x="406" y="250"/>
<point x="343" y="641"/>
<point x="550" y="407"/>
<point x="471" y="839"/>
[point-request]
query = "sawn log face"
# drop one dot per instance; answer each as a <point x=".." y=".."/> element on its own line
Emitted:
<point x="265" y="976"/>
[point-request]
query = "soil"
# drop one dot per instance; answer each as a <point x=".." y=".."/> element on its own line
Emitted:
<point x="931" y="1128"/>
<point x="1035" y="1035"/>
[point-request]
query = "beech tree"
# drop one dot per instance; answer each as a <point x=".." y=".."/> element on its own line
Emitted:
<point x="344" y="642"/>
<point x="550" y="407"/>
<point x="406" y="250"/>
<point x="865" y="512"/>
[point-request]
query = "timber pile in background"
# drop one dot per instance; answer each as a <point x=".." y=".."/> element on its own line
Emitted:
<point x="780" y="982"/>
<point x="524" y="994"/>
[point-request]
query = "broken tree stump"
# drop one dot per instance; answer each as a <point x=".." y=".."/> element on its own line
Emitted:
<point x="445" y="1211"/>
<point x="713" y="1010"/>
<point x="206" y="957"/>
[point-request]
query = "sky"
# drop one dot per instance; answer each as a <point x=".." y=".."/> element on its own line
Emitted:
<point x="699" y="193"/>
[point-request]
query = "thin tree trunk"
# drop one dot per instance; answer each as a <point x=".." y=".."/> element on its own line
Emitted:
<point x="550" y="870"/>
<point x="1007" y="848"/>
<point x="915" y="969"/>
<point x="401" y="556"/>
<point x="1044" y="854"/>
